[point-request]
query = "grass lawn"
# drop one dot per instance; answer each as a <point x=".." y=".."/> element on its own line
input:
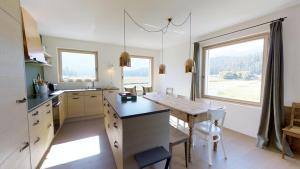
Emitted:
<point x="248" y="90"/>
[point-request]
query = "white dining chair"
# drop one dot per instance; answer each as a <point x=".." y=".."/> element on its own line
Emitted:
<point x="210" y="132"/>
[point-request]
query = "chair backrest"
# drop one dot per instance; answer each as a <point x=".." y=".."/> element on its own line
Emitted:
<point x="131" y="90"/>
<point x="169" y="91"/>
<point x="217" y="115"/>
<point x="147" y="90"/>
<point x="295" y="107"/>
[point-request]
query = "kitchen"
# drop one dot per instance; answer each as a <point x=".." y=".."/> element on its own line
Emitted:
<point x="80" y="90"/>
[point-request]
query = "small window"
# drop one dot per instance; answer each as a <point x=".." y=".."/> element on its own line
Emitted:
<point x="233" y="71"/>
<point x="77" y="65"/>
<point x="139" y="74"/>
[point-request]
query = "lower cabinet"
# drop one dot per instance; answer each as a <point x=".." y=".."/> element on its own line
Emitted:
<point x="85" y="103"/>
<point x="41" y="132"/>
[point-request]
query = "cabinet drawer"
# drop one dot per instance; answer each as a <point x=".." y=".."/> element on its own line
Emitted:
<point x="93" y="93"/>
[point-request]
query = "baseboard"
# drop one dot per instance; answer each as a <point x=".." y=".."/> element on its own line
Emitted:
<point x="74" y="119"/>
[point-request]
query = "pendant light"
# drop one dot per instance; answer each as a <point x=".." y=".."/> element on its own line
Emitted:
<point x="125" y="57"/>
<point x="162" y="66"/>
<point x="189" y="64"/>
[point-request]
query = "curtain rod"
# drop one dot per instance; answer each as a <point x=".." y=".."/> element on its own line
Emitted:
<point x="280" y="19"/>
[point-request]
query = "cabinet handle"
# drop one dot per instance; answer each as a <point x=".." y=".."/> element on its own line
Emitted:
<point x="115" y="125"/>
<point x="36" y="113"/>
<point x="21" y="101"/>
<point x="108" y="112"/>
<point x="104" y="104"/>
<point x="108" y="105"/>
<point x="115" y="116"/>
<point x="49" y="125"/>
<point x="36" y="123"/>
<point x="26" y="145"/>
<point x="116" y="144"/>
<point x="48" y="105"/>
<point x="75" y="98"/>
<point x="37" y="140"/>
<point x="93" y="96"/>
<point x="48" y="112"/>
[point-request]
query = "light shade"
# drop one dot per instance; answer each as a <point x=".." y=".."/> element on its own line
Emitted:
<point x="189" y="65"/>
<point x="162" y="69"/>
<point x="125" y="59"/>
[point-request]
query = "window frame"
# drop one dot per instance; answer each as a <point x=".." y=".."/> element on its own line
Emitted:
<point x="152" y="66"/>
<point x="60" y="75"/>
<point x="264" y="36"/>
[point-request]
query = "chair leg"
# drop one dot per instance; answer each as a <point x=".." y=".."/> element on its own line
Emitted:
<point x="170" y="162"/>
<point x="283" y="144"/>
<point x="194" y="139"/>
<point x="167" y="163"/>
<point x="185" y="154"/>
<point x="222" y="142"/>
<point x="209" y="148"/>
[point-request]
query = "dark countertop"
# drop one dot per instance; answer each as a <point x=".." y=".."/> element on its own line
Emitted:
<point x="130" y="109"/>
<point x="35" y="102"/>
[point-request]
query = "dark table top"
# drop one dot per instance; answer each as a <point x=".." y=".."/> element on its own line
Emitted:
<point x="129" y="109"/>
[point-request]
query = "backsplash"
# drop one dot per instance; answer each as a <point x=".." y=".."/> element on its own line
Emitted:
<point x="32" y="70"/>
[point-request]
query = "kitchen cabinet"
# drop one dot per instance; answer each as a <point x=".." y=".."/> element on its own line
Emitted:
<point x="125" y="122"/>
<point x="41" y="131"/>
<point x="75" y="106"/>
<point x="93" y="104"/>
<point x="84" y="103"/>
<point x="62" y="112"/>
<point x="14" y="140"/>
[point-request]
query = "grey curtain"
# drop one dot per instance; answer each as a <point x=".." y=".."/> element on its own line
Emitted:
<point x="195" y="93"/>
<point x="272" y="117"/>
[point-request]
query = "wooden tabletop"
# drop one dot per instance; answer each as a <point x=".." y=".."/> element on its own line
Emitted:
<point x="181" y="104"/>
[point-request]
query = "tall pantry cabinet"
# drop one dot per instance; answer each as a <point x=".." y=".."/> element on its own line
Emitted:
<point x="14" y="139"/>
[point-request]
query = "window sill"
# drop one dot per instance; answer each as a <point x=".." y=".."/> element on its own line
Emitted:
<point x="233" y="101"/>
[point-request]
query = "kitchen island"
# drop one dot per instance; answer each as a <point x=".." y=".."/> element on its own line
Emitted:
<point x="133" y="127"/>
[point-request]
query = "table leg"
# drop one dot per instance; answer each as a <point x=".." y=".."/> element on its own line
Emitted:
<point x="185" y="153"/>
<point x="191" y="126"/>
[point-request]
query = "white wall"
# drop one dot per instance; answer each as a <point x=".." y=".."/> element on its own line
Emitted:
<point x="243" y="118"/>
<point x="107" y="54"/>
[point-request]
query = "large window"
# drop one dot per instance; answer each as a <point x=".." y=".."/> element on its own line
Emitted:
<point x="77" y="65"/>
<point x="139" y="74"/>
<point x="233" y="71"/>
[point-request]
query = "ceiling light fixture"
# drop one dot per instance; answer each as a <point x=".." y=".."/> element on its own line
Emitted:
<point x="125" y="60"/>
<point x="125" y="57"/>
<point x="189" y="63"/>
<point x="162" y="66"/>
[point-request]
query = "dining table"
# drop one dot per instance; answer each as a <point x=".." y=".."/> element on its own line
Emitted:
<point x="186" y="110"/>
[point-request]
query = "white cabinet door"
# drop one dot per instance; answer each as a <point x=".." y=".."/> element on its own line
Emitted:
<point x="13" y="121"/>
<point x="93" y="104"/>
<point x="75" y="106"/>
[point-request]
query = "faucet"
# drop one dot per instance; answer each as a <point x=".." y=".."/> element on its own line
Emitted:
<point x="93" y="84"/>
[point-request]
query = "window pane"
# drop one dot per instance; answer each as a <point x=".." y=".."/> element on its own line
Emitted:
<point x="78" y="66"/>
<point x="235" y="71"/>
<point x="139" y="74"/>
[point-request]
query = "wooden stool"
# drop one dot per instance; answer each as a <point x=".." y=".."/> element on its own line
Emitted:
<point x="152" y="156"/>
<point x="178" y="137"/>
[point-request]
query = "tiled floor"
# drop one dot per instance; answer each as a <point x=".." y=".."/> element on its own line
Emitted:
<point x="84" y="145"/>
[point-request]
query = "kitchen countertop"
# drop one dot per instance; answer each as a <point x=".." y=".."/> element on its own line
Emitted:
<point x="130" y="109"/>
<point x="35" y="102"/>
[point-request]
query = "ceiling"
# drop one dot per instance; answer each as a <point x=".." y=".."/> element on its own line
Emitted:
<point x="102" y="20"/>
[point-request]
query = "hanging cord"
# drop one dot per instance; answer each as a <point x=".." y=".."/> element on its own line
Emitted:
<point x="124" y="22"/>
<point x="145" y="29"/>
<point x="190" y="52"/>
<point x="182" y="23"/>
<point x="162" y="47"/>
